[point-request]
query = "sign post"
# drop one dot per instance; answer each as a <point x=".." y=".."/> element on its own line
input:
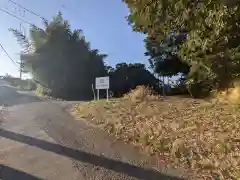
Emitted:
<point x="102" y="83"/>
<point x="93" y="92"/>
<point x="98" y="94"/>
<point x="107" y="95"/>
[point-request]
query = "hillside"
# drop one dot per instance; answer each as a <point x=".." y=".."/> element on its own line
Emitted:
<point x="200" y="136"/>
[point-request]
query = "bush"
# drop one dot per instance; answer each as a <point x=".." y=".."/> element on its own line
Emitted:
<point x="31" y="85"/>
<point x="27" y="85"/>
<point x="140" y="94"/>
<point x="200" y="89"/>
<point x="43" y="91"/>
<point x="231" y="95"/>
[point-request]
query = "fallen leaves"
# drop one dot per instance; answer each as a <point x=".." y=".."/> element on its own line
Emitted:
<point x="195" y="135"/>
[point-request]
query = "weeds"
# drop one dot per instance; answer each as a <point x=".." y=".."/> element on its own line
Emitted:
<point x="200" y="136"/>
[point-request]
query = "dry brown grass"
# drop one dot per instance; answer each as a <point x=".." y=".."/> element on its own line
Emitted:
<point x="203" y="137"/>
<point x="231" y="95"/>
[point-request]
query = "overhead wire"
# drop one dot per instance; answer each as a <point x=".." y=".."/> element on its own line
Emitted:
<point x="21" y="19"/>
<point x="1" y="9"/>
<point x="7" y="54"/>
<point x="31" y="11"/>
<point x="26" y="9"/>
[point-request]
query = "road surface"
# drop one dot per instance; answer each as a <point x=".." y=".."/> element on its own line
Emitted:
<point x="40" y="140"/>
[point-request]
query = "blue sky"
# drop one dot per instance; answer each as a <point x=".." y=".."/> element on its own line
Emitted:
<point x="102" y="21"/>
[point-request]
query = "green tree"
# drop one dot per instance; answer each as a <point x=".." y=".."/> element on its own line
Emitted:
<point x="164" y="58"/>
<point x="125" y="77"/>
<point x="60" y="59"/>
<point x="213" y="34"/>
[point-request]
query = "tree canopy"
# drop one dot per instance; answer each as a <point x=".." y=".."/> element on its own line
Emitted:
<point x="164" y="58"/>
<point x="212" y="45"/>
<point x="63" y="64"/>
<point x="125" y="77"/>
<point x="60" y="59"/>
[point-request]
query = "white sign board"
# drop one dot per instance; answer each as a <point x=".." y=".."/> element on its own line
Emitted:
<point x="102" y="82"/>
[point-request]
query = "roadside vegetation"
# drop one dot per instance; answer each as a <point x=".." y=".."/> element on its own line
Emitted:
<point x="27" y="84"/>
<point x="201" y="136"/>
<point x="196" y="41"/>
<point x="63" y="65"/>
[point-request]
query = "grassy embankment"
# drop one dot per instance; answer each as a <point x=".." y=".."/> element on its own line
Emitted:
<point x="200" y="136"/>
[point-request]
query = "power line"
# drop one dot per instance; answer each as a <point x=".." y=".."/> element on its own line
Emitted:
<point x="15" y="16"/>
<point x="34" y="13"/>
<point x="26" y="9"/>
<point x="21" y="19"/>
<point x="2" y="45"/>
<point x="11" y="14"/>
<point x="30" y="11"/>
<point x="1" y="9"/>
<point x="7" y="54"/>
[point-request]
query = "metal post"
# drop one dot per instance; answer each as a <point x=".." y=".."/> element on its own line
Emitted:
<point x="98" y="94"/>
<point x="21" y="68"/>
<point x="93" y="92"/>
<point x="20" y="73"/>
<point x="107" y="95"/>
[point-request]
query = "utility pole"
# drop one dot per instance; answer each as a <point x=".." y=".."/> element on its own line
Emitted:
<point x="20" y="63"/>
<point x="21" y="68"/>
<point x="23" y="31"/>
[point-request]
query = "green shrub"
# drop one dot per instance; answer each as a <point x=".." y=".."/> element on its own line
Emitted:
<point x="200" y="89"/>
<point x="43" y="91"/>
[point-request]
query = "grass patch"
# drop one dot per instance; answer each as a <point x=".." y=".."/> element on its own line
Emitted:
<point x="200" y="136"/>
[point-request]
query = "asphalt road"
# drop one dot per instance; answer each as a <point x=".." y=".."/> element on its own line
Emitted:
<point x="10" y="96"/>
<point x="40" y="140"/>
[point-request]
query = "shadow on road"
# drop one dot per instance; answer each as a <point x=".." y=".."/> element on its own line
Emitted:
<point x="8" y="173"/>
<point x="85" y="157"/>
<point x="10" y="96"/>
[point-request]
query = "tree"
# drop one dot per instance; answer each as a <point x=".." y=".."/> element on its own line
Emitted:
<point x="213" y="34"/>
<point x="164" y="58"/>
<point x="60" y="59"/>
<point x="125" y="77"/>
